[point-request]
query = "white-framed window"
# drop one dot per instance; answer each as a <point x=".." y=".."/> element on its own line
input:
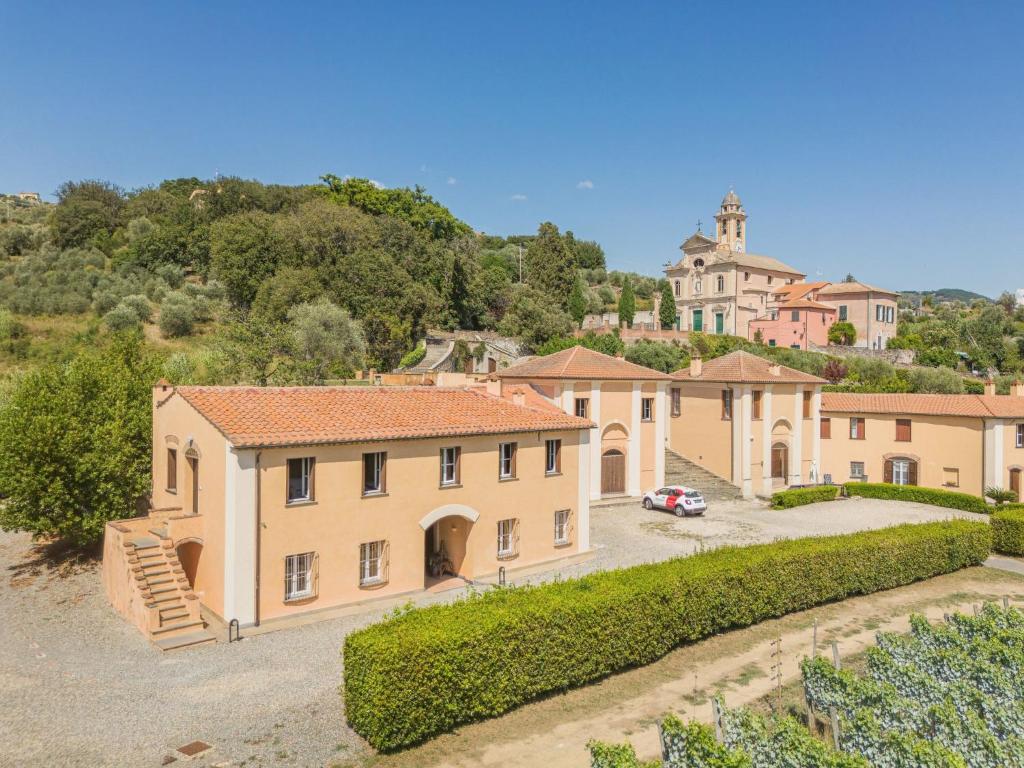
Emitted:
<point x="720" y="283"/>
<point x="507" y="538"/>
<point x="582" y="406"/>
<point x="1020" y="435"/>
<point x="374" y="473"/>
<point x="507" y="461"/>
<point x="901" y="471"/>
<point x="372" y="562"/>
<point x="856" y="470"/>
<point x="647" y="409"/>
<point x="561" y="526"/>
<point x="450" y="466"/>
<point x="300" y="479"/>
<point x="552" y="457"/>
<point x="298" y="576"/>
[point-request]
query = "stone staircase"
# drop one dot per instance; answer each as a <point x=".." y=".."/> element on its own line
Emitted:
<point x="172" y="607"/>
<point x="682" y="471"/>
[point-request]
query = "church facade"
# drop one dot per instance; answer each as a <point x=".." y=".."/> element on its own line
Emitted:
<point x="719" y="287"/>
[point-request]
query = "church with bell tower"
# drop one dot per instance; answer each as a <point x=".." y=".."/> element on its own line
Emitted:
<point x="718" y="285"/>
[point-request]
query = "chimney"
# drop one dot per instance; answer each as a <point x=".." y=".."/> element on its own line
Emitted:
<point x="696" y="366"/>
<point x="990" y="387"/>
<point x="1017" y="388"/>
<point x="518" y="396"/>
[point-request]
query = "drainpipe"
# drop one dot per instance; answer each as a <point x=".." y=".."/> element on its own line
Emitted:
<point x="259" y="526"/>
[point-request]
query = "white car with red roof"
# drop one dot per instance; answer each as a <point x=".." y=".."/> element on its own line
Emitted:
<point x="680" y="499"/>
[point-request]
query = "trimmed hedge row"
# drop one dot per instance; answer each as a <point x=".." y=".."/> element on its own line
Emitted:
<point x="1008" y="531"/>
<point x="934" y="496"/>
<point x="797" y="497"/>
<point x="428" y="670"/>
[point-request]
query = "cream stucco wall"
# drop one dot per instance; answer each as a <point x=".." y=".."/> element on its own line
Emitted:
<point x="860" y="309"/>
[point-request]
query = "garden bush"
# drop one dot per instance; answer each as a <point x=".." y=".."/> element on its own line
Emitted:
<point x="426" y="671"/>
<point x="177" y="315"/>
<point x="413" y="357"/>
<point x="797" y="497"/>
<point x="934" y="496"/>
<point x="122" y="318"/>
<point x="1008" y="530"/>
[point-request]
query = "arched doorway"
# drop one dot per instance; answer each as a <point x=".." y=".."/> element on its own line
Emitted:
<point x="613" y="471"/>
<point x="189" y="552"/>
<point x="780" y="461"/>
<point x="900" y="470"/>
<point x="446" y="533"/>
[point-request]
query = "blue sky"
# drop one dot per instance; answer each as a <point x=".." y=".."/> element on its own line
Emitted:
<point x="875" y="138"/>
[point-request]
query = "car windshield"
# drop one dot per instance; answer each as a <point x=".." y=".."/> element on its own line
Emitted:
<point x="693" y="494"/>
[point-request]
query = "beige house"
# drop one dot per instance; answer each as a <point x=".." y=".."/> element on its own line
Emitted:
<point x="960" y="442"/>
<point x="273" y="502"/>
<point x="718" y="286"/>
<point x="747" y="420"/>
<point x="626" y="401"/>
<point x="871" y="310"/>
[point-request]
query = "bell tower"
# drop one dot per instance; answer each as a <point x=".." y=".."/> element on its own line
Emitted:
<point x="731" y="223"/>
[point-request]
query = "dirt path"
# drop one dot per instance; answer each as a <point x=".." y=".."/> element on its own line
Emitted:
<point x="629" y="705"/>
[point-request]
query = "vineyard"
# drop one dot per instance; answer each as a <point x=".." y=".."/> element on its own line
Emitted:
<point x="944" y="696"/>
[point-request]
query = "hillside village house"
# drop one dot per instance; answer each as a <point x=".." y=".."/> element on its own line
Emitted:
<point x="745" y="419"/>
<point x="958" y="442"/>
<point x="718" y="286"/>
<point x="272" y="502"/>
<point x="625" y="401"/>
<point x="871" y="310"/>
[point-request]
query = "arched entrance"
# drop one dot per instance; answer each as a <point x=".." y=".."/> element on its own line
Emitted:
<point x="189" y="552"/>
<point x="780" y="461"/>
<point x="614" y="442"/>
<point x="445" y="538"/>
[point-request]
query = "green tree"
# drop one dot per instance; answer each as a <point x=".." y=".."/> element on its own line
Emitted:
<point x="842" y="334"/>
<point x="549" y="264"/>
<point x="76" y="442"/>
<point x="657" y="355"/>
<point x="532" y="318"/>
<point x="245" y="250"/>
<point x="577" y="302"/>
<point x="325" y="339"/>
<point x="289" y="287"/>
<point x="87" y="212"/>
<point x="627" y="303"/>
<point x="667" y="317"/>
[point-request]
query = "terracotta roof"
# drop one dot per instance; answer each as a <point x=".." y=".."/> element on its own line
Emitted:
<point x="252" y="417"/>
<point x="799" y="290"/>
<point x="579" y="363"/>
<point x="760" y="262"/>
<point x="745" y="368"/>
<point x="976" y="406"/>
<point x="854" y="287"/>
<point x="806" y="304"/>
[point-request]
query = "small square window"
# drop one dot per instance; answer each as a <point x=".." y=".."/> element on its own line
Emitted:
<point x="903" y="430"/>
<point x="856" y="470"/>
<point x="583" y="407"/>
<point x="856" y="428"/>
<point x="647" y="409"/>
<point x="951" y="477"/>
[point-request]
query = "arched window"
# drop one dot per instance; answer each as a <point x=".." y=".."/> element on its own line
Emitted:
<point x="901" y="471"/>
<point x="698" y="263"/>
<point x="678" y="287"/>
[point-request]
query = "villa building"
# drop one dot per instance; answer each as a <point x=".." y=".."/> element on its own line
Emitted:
<point x="625" y="401"/>
<point x="718" y="286"/>
<point x="273" y="502"/>
<point x="871" y="310"/>
<point x="745" y="419"/>
<point x="960" y="442"/>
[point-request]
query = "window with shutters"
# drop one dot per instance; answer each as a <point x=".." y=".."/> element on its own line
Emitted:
<point x="300" y="480"/>
<point x="582" y="407"/>
<point x="856" y="428"/>
<point x="901" y="471"/>
<point x="507" y="461"/>
<point x="508" y="538"/>
<point x="677" y="405"/>
<point x="450" y="461"/>
<point x="755" y="404"/>
<point x="826" y="429"/>
<point x="903" y="430"/>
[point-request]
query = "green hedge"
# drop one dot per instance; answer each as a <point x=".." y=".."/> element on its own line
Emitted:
<point x="797" y="497"/>
<point x="1008" y="531"/>
<point x="934" y="496"/>
<point x="428" y="670"/>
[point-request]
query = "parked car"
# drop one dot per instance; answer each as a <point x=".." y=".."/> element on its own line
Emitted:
<point x="676" y="498"/>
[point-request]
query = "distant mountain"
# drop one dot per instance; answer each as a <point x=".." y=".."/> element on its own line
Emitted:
<point x="943" y="295"/>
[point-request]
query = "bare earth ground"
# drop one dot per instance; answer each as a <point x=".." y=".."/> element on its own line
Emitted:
<point x="80" y="687"/>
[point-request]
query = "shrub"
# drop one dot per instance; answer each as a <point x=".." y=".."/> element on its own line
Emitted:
<point x="121" y="318"/>
<point x="413" y="357"/>
<point x="934" y="496"/>
<point x="139" y="304"/>
<point x="1008" y="530"/>
<point x="177" y="315"/>
<point x="797" y="497"/>
<point x="428" y="670"/>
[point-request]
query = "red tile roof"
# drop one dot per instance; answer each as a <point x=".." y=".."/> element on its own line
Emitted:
<point x="799" y="290"/>
<point x="252" y="417"/>
<point x="975" y="406"/>
<point x="580" y="363"/>
<point x="840" y="289"/>
<point x="807" y="304"/>
<point x="741" y="367"/>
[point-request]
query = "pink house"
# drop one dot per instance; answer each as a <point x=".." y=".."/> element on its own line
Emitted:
<point x="794" y="324"/>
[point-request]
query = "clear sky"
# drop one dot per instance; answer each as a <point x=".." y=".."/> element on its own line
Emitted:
<point x="881" y="139"/>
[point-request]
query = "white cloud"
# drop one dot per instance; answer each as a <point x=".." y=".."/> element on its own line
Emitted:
<point x="452" y="181"/>
<point x="585" y="184"/>
<point x="376" y="183"/>
<point x="518" y="197"/>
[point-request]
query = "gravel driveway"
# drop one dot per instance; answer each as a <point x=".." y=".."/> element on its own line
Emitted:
<point x="81" y="687"/>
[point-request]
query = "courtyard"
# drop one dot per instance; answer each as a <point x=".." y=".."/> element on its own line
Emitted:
<point x="83" y="688"/>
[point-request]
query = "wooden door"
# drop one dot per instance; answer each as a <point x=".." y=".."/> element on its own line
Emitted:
<point x="1015" y="482"/>
<point x="780" y="460"/>
<point x="613" y="472"/>
<point x="698" y="320"/>
<point x="719" y="323"/>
